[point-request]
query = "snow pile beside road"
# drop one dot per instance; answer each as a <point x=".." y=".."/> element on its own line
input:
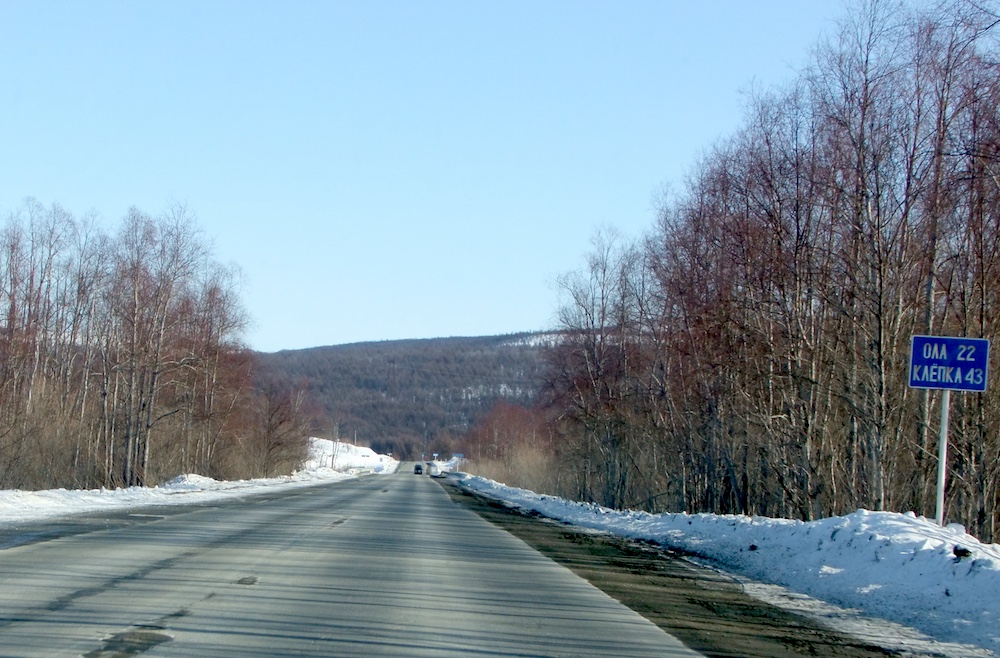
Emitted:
<point x="340" y="456"/>
<point x="20" y="506"/>
<point x="898" y="567"/>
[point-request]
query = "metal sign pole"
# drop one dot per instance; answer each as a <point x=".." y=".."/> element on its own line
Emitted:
<point x="942" y="454"/>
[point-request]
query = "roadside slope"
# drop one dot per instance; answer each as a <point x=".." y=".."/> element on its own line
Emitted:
<point x="703" y="608"/>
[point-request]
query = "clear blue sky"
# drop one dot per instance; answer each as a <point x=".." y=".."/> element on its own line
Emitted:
<point x="384" y="170"/>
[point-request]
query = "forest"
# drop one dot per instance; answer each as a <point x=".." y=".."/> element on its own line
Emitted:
<point x="121" y="362"/>
<point x="411" y="397"/>
<point x="749" y="353"/>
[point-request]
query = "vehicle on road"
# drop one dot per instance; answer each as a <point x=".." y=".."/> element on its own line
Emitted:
<point x="418" y="470"/>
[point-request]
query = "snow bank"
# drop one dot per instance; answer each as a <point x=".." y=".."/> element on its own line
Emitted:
<point x="20" y="506"/>
<point x="345" y="457"/>
<point x="899" y="567"/>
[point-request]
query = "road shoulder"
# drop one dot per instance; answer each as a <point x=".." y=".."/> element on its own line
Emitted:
<point x="705" y="609"/>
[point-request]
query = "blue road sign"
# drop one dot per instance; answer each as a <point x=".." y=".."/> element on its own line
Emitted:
<point x="946" y="362"/>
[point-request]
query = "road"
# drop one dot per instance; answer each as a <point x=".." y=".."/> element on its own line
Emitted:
<point x="378" y="566"/>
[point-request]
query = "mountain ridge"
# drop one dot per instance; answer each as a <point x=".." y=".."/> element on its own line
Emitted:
<point x="414" y="396"/>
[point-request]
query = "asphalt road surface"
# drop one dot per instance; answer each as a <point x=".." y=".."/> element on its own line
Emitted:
<point x="379" y="566"/>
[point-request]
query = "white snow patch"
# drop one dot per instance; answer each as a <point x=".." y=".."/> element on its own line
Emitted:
<point x="346" y="457"/>
<point x="937" y="586"/>
<point x="20" y="506"/>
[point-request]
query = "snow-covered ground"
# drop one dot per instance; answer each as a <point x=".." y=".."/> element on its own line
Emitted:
<point x="899" y="568"/>
<point x="844" y="570"/>
<point x="347" y="461"/>
<point x="346" y="457"/>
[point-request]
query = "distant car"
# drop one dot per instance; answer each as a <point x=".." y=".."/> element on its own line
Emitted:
<point x="418" y="470"/>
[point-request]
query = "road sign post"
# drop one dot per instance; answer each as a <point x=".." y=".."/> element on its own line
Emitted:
<point x="942" y="474"/>
<point x="949" y="364"/>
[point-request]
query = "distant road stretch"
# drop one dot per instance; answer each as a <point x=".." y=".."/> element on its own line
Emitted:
<point x="379" y="566"/>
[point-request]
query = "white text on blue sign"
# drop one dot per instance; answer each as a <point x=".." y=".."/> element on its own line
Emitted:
<point x="945" y="362"/>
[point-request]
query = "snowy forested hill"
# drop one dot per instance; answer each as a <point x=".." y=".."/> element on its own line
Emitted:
<point x="408" y="396"/>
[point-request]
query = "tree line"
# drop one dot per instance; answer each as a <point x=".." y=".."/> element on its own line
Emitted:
<point x="411" y="397"/>
<point x="121" y="361"/>
<point x="749" y="355"/>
